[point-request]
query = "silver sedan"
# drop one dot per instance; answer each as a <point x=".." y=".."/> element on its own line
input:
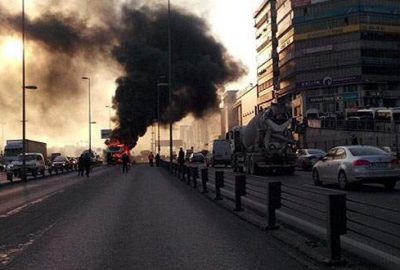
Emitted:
<point x="357" y="164"/>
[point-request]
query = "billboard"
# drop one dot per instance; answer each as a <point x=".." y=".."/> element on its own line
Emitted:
<point x="106" y="133"/>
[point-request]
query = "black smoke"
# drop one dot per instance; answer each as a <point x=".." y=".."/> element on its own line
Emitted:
<point x="200" y="66"/>
<point x="137" y="39"/>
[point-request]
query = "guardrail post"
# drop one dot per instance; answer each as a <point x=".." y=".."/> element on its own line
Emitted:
<point x="219" y="183"/>
<point x="274" y="202"/>
<point x="240" y="190"/>
<point x="195" y="175"/>
<point x="336" y="226"/>
<point x="204" y="179"/>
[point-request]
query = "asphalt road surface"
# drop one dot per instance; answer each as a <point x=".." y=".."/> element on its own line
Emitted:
<point x="139" y="220"/>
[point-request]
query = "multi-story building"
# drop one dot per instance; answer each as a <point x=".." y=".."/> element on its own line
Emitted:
<point x="228" y="115"/>
<point x="266" y="42"/>
<point x="333" y="54"/>
<point x="245" y="106"/>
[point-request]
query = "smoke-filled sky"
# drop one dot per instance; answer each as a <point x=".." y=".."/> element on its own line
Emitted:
<point x="121" y="46"/>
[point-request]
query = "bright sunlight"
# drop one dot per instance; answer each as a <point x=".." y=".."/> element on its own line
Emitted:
<point x="11" y="49"/>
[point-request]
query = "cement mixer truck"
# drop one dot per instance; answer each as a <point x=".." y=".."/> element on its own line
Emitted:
<point x="265" y="145"/>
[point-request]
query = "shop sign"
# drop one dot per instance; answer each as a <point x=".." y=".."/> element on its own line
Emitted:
<point x="350" y="96"/>
<point x="327" y="81"/>
<point x="321" y="99"/>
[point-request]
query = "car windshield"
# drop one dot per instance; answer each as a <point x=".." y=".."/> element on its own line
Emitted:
<point x="366" y="151"/>
<point x="59" y="159"/>
<point x="316" y="152"/>
<point x="27" y="157"/>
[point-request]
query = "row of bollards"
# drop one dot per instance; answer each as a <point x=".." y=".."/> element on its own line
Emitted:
<point x="336" y="206"/>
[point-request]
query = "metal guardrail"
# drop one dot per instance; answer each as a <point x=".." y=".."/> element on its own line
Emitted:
<point x="324" y="213"/>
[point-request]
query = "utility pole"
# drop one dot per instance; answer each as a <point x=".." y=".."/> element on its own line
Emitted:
<point x="170" y="85"/>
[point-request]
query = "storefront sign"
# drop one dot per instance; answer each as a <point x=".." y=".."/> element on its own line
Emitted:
<point x="327" y="81"/>
<point x="321" y="99"/>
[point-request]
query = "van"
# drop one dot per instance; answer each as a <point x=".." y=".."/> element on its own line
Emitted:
<point x="221" y="153"/>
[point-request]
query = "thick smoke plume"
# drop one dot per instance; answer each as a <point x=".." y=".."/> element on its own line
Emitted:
<point x="200" y="65"/>
<point x="137" y="39"/>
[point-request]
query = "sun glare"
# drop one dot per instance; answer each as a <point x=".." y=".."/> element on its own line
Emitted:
<point x="11" y="49"/>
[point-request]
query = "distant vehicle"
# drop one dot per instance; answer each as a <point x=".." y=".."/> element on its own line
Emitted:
<point x="197" y="158"/>
<point x="357" y="164"/>
<point x="93" y="156"/>
<point x="14" y="147"/>
<point x="114" y="153"/>
<point x="306" y="158"/>
<point x="221" y="153"/>
<point x="61" y="164"/>
<point x="2" y="167"/>
<point x="188" y="153"/>
<point x="34" y="164"/>
<point x="54" y="155"/>
<point x="389" y="150"/>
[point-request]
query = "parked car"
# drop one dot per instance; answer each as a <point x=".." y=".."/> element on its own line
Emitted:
<point x="34" y="164"/>
<point x="357" y="164"/>
<point x="306" y="158"/>
<point x="61" y="164"/>
<point x="221" y="153"/>
<point x="197" y="157"/>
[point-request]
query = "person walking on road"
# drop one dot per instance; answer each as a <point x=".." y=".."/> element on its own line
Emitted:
<point x="81" y="164"/>
<point x="151" y="159"/>
<point x="158" y="159"/>
<point x="87" y="164"/>
<point x="125" y="163"/>
<point x="181" y="157"/>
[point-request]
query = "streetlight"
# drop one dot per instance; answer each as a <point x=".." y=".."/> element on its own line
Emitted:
<point x="158" y="111"/>
<point x="170" y="84"/>
<point x="24" y="87"/>
<point x="90" y="117"/>
<point x="109" y="116"/>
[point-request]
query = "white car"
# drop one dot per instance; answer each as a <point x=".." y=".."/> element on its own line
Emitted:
<point x="357" y="164"/>
<point x="221" y="153"/>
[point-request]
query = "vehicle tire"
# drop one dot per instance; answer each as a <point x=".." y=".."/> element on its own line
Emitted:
<point x="315" y="177"/>
<point x="35" y="173"/>
<point x="390" y="185"/>
<point x="43" y="172"/>
<point x="342" y="181"/>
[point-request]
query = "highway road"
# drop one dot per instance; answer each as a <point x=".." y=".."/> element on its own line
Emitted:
<point x="140" y="220"/>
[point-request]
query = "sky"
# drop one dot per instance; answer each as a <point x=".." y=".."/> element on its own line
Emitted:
<point x="231" y="22"/>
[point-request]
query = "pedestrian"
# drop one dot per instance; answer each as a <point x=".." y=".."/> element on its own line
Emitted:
<point x="87" y="163"/>
<point x="125" y="163"/>
<point x="181" y="157"/>
<point x="151" y="159"/>
<point x="354" y="139"/>
<point x="81" y="162"/>
<point x="158" y="159"/>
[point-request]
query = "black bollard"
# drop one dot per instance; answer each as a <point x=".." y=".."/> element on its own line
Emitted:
<point x="240" y="190"/>
<point x="204" y="179"/>
<point x="219" y="183"/>
<point x="274" y="202"/>
<point x="336" y="226"/>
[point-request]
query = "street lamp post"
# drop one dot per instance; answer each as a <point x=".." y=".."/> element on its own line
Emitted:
<point x="158" y="112"/>
<point x="170" y="83"/>
<point x="24" y="87"/>
<point x="90" y="116"/>
<point x="109" y="116"/>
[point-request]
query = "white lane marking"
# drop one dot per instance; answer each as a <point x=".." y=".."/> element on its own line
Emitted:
<point x="29" y="204"/>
